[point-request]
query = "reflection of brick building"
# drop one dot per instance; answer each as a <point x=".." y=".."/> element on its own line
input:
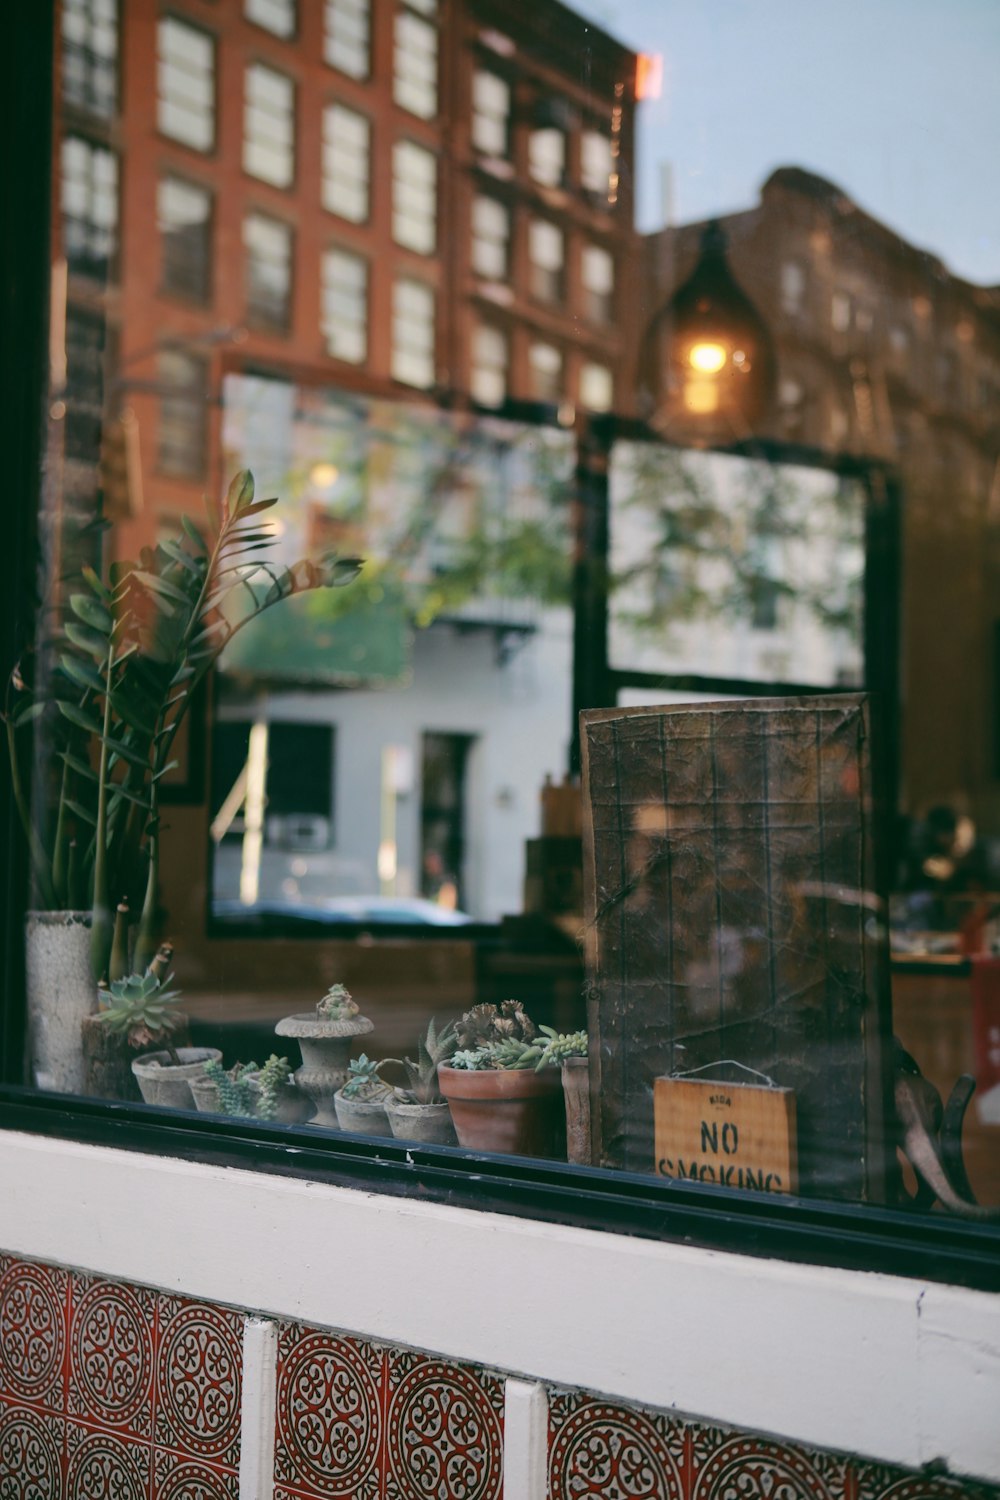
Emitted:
<point x="881" y="351"/>
<point x="403" y="197"/>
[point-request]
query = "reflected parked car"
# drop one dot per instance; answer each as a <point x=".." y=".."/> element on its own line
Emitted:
<point x="342" y="911"/>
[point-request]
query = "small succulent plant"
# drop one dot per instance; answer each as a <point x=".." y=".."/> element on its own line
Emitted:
<point x="485" y="1024"/>
<point x="236" y="1086"/>
<point x="139" y="1008"/>
<point x="559" y="1045"/>
<point x="435" y="1046"/>
<point x="337" y="1004"/>
<point x="274" y="1078"/>
<point x="364" y="1082"/>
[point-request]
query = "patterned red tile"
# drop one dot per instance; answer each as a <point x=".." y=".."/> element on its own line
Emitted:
<point x="104" y="1465"/>
<point x="600" y="1448"/>
<point x="111" y="1355"/>
<point x="744" y="1465"/>
<point x="329" y="1428"/>
<point x="31" y="1446"/>
<point x="192" y="1479"/>
<point x="444" y="1433"/>
<point x="33" y="1333"/>
<point x="883" y="1482"/>
<point x="199" y="1367"/>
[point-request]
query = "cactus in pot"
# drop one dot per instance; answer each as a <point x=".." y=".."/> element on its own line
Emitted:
<point x="418" y="1111"/>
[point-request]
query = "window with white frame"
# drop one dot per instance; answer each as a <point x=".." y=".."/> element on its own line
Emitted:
<point x="414" y="197"/>
<point x="277" y="16"/>
<point x="545" y="364"/>
<point x="413" y="333"/>
<point x="267" y="246"/>
<point x="597" y="275"/>
<point x="184" y="220"/>
<point x="89" y="198"/>
<point x="490" y="113"/>
<point x="595" y="162"/>
<point x="490" y="238"/>
<point x="345" y="306"/>
<point x="490" y="363"/>
<point x="89" y="54"/>
<point x="347" y="36"/>
<point x="793" y="286"/>
<point x="346" y="163"/>
<point x="269" y="126"/>
<point x="547" y="258"/>
<point x="185" y="84"/>
<point x="840" y="312"/>
<point x="597" y="388"/>
<point x="547" y="155"/>
<point x="415" y="65"/>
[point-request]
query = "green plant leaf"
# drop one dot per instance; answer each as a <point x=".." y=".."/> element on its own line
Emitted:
<point x="191" y="530"/>
<point x="76" y="715"/>
<point x="81" y="767"/>
<point x="122" y="751"/>
<point x="88" y="640"/>
<point x="344" y="570"/>
<point x="159" y="586"/>
<point x="100" y="589"/>
<point x="26" y="714"/>
<point x="79" y="811"/>
<point x="92" y="613"/>
<point x="240" y="492"/>
<point x="82" y="673"/>
<point x="183" y="558"/>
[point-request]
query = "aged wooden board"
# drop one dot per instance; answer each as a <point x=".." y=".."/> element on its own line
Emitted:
<point x="736" y="1134"/>
<point x="728" y="879"/>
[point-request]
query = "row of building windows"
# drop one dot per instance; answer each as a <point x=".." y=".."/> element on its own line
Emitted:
<point x="548" y="139"/>
<point x="186" y="84"/>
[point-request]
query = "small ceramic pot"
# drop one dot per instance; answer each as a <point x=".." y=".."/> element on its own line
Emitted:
<point x="361" y="1116"/>
<point x="167" y="1084"/>
<point x="429" y="1124"/>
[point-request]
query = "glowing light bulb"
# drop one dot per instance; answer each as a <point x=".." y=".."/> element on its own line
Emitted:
<point x="324" y="476"/>
<point x="707" y="359"/>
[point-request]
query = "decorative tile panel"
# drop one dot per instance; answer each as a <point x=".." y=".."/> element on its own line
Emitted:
<point x="329" y="1420"/>
<point x="33" y="1333"/>
<point x="597" y="1448"/>
<point x="191" y="1480"/>
<point x="444" y="1437"/>
<point x="884" y="1482"/>
<point x="31" y="1445"/>
<point x="111" y="1355"/>
<point x="742" y="1465"/>
<point x="105" y="1465"/>
<point x="199" y="1363"/>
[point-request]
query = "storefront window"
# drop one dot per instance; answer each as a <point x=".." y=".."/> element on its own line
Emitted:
<point x="513" y="675"/>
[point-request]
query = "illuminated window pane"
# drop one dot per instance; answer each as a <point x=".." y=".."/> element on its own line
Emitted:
<point x="595" y="162"/>
<point x="89" y="195"/>
<point x="490" y="238"/>
<point x="90" y="55"/>
<point x="414" y="197"/>
<point x="490" y="114"/>
<point x="347" y="36"/>
<point x="184" y="218"/>
<point x="414" y="84"/>
<point x="267" y="244"/>
<point x="269" y="126"/>
<point x="547" y="156"/>
<point x="547" y="254"/>
<point x="182" y="380"/>
<point x="185" y="79"/>
<point x="597" y="269"/>
<point x="546" y="367"/>
<point x="345" y="305"/>
<point x="413" y="333"/>
<point x="346" y="163"/>
<point x="489" y="366"/>
<point x="596" y="387"/>
<point x="274" y="15"/>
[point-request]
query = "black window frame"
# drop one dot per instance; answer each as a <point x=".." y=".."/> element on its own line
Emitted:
<point x="856" y="1237"/>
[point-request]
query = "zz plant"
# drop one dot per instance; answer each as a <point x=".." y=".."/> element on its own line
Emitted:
<point x="128" y="657"/>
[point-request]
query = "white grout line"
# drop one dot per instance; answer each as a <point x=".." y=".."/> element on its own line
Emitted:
<point x="525" y="1440"/>
<point x="260" y="1369"/>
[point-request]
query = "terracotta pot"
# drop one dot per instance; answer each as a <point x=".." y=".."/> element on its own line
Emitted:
<point x="513" y="1110"/>
<point x="429" y="1124"/>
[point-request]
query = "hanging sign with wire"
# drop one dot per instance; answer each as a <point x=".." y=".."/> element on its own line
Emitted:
<point x="739" y="1135"/>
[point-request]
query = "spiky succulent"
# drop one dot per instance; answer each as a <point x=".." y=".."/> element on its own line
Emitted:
<point x="274" y="1079"/>
<point x="337" y="1004"/>
<point x="485" y="1024"/>
<point x="237" y="1088"/>
<point x="364" y="1082"/>
<point x="422" y="1078"/>
<point x="139" y="1008"/>
<point x="559" y="1045"/>
<point x="471" y="1059"/>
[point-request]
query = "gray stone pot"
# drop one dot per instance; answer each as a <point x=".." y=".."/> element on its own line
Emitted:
<point x="361" y="1116"/>
<point x="293" y="1106"/>
<point x="326" y="1052"/>
<point x="163" y="1082"/>
<point x="61" y="993"/>
<point x="430" y="1124"/>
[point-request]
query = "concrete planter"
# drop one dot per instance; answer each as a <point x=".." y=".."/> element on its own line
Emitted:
<point x="429" y="1124"/>
<point x="513" y="1110"/>
<point x="361" y="1116"/>
<point x="61" y="993"/>
<point x="167" y="1084"/>
<point x="326" y="1051"/>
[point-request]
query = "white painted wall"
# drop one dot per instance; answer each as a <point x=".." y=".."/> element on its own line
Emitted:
<point x="891" y="1369"/>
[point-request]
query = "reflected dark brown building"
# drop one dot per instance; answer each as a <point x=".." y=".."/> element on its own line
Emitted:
<point x="882" y="352"/>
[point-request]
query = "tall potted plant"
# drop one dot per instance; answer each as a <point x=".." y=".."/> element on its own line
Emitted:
<point x="116" y="682"/>
<point x="419" y="1112"/>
